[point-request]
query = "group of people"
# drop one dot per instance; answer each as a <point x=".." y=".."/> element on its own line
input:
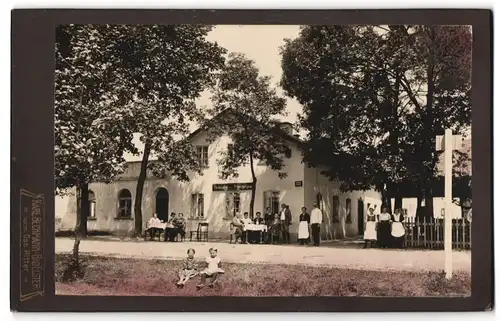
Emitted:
<point x="278" y="226"/>
<point x="176" y="225"/>
<point x="190" y="269"/>
<point x="384" y="229"/>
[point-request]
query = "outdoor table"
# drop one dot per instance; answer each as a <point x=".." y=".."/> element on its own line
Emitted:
<point x="255" y="228"/>
<point x="156" y="227"/>
<point x="159" y="225"/>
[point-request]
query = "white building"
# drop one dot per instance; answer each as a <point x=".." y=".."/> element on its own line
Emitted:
<point x="207" y="198"/>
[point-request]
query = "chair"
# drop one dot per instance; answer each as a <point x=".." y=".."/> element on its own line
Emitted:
<point x="233" y="234"/>
<point x="183" y="237"/>
<point x="275" y="234"/>
<point x="151" y="231"/>
<point x="201" y="233"/>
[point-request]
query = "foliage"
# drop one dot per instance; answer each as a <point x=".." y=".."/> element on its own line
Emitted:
<point x="244" y="105"/>
<point x="165" y="67"/>
<point x="90" y="135"/>
<point x="375" y="97"/>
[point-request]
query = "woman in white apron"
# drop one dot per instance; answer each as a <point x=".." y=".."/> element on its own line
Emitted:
<point x="370" y="235"/>
<point x="304" y="220"/>
<point x="398" y="229"/>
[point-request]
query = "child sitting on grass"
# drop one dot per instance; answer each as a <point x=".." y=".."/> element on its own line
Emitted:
<point x="213" y="269"/>
<point x="189" y="269"/>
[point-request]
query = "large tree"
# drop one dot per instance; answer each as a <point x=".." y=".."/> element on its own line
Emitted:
<point x="91" y="127"/>
<point x="245" y="106"/>
<point x="375" y="97"/>
<point x="166" y="67"/>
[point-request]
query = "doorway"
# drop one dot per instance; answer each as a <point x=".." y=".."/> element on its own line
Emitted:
<point x="162" y="204"/>
<point x="361" y="217"/>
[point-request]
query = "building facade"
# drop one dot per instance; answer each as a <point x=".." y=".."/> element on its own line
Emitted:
<point x="208" y="198"/>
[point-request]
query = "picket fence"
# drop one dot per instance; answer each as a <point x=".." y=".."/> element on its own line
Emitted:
<point x="429" y="233"/>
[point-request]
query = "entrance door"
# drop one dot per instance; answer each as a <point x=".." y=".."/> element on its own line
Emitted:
<point x="361" y="217"/>
<point x="162" y="204"/>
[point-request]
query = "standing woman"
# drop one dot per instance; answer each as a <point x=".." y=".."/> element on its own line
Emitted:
<point x="371" y="227"/>
<point x="397" y="229"/>
<point x="384" y="229"/>
<point x="304" y="220"/>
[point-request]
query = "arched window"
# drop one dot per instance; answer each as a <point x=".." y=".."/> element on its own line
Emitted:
<point x="92" y="213"/>
<point x="124" y="203"/>
<point x="162" y="204"/>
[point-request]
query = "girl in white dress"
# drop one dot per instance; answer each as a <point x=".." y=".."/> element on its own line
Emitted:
<point x="212" y="270"/>
<point x="397" y="229"/>
<point x="370" y="235"/>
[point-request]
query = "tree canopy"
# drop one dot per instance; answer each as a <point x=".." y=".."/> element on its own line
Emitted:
<point x="375" y="97"/>
<point x="113" y="81"/>
<point x="166" y="67"/>
<point x="245" y="106"/>
<point x="90" y="134"/>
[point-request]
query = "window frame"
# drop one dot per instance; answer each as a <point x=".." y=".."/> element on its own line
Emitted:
<point x="92" y="206"/>
<point x="335" y="209"/>
<point x="197" y="206"/>
<point x="269" y="198"/>
<point x="348" y="210"/>
<point x="202" y="155"/>
<point x="230" y="201"/>
<point x="125" y="200"/>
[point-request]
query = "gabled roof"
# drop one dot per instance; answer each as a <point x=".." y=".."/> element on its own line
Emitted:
<point x="277" y="130"/>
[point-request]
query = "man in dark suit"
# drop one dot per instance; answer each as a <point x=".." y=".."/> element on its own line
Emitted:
<point x="286" y="221"/>
<point x="258" y="220"/>
<point x="268" y="216"/>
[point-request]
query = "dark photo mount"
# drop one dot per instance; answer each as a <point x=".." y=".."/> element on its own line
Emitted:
<point x="32" y="161"/>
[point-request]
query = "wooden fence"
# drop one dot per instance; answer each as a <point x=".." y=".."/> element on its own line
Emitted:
<point x="429" y="233"/>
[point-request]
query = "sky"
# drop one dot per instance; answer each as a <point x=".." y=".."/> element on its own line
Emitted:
<point x="261" y="43"/>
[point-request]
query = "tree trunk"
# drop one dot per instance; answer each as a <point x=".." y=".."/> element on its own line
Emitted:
<point x="78" y="228"/>
<point x="394" y="136"/>
<point x="398" y="199"/>
<point x="254" y="187"/>
<point x="386" y="201"/>
<point x="419" y="201"/>
<point x="430" y="129"/>
<point x="82" y="212"/>
<point x="85" y="209"/>
<point x="140" y="188"/>
<point x="429" y="202"/>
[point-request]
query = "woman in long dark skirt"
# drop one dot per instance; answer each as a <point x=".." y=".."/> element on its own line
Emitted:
<point x="384" y="236"/>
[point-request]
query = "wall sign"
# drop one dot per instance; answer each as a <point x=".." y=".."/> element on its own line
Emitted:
<point x="298" y="183"/>
<point x="232" y="187"/>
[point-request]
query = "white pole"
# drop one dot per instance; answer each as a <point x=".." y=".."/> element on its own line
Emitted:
<point x="448" y="174"/>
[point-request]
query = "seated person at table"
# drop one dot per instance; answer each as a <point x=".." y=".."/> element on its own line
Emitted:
<point x="275" y="229"/>
<point x="238" y="225"/>
<point x="258" y="220"/>
<point x="153" y="225"/>
<point x="170" y="228"/>
<point x="180" y="225"/>
<point x="246" y="221"/>
<point x="254" y="236"/>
